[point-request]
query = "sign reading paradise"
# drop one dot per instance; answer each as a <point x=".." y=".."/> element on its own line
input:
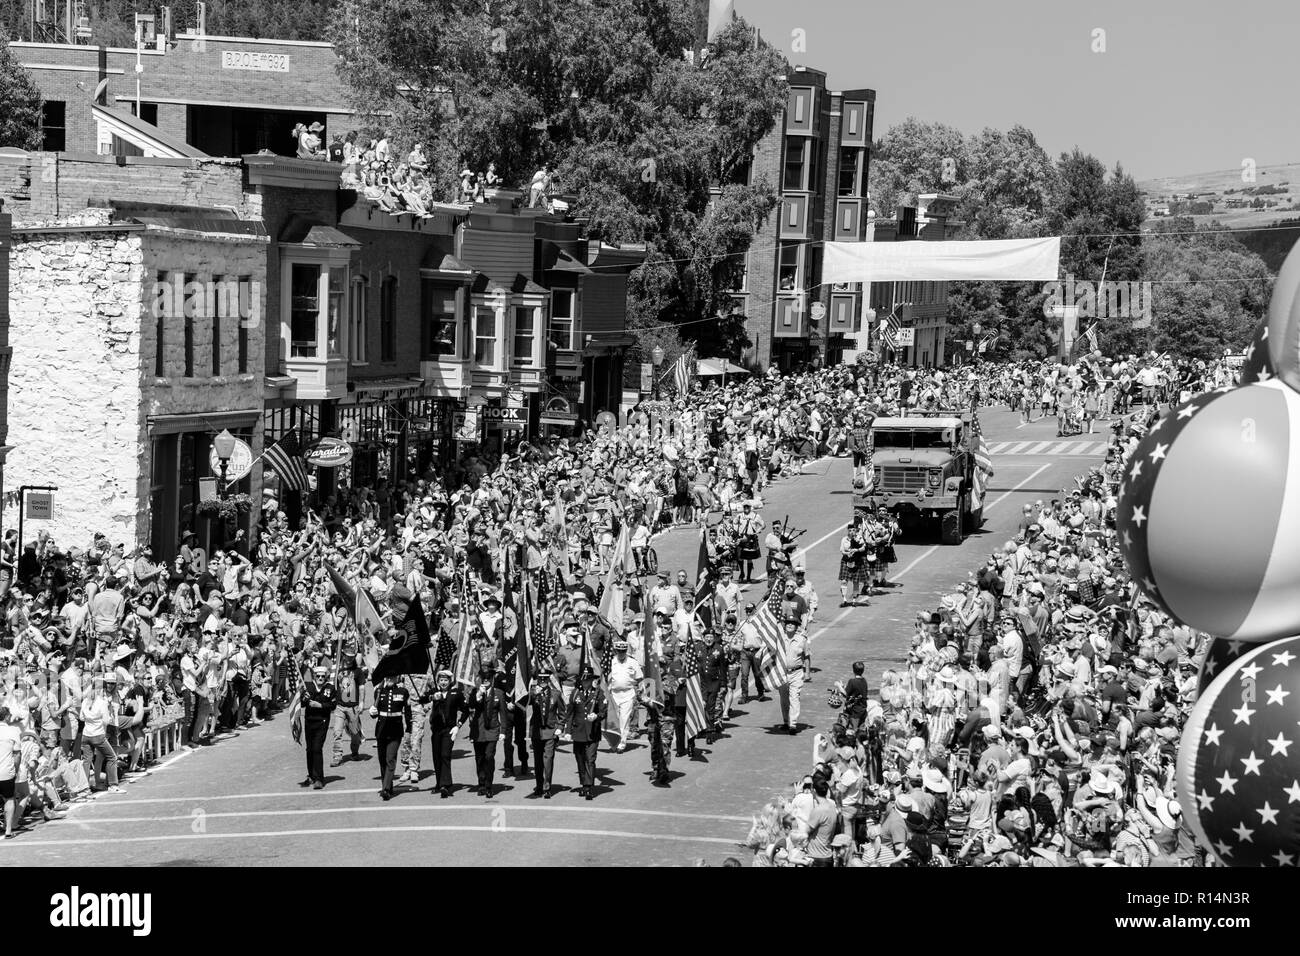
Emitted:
<point x="557" y="413"/>
<point x="329" y="453"/>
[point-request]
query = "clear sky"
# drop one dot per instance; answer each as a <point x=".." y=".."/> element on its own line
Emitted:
<point x="1184" y="86"/>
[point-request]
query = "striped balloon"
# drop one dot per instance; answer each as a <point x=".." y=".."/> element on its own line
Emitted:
<point x="1238" y="773"/>
<point x="1258" y="365"/>
<point x="1209" y="508"/>
<point x="1284" y="320"/>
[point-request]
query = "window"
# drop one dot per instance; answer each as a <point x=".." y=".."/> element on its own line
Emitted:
<point x="388" y="320"/>
<point x="192" y="306"/>
<point x="148" y="112"/>
<point x="360" y="329"/>
<point x="740" y="279"/>
<point x="525" y="342"/>
<point x="162" y="313"/>
<point x="247" y="314"/>
<point x="334" y="327"/>
<point x="219" y="308"/>
<point x="438" y="331"/>
<point x="787" y="273"/>
<point x="485" y="335"/>
<point x="304" y="309"/>
<point x="850" y="171"/>
<point x="562" y="318"/>
<point x="798" y="150"/>
<point x="53" y="126"/>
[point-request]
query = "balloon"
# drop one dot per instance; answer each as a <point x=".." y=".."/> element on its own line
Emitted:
<point x="1239" y="760"/>
<point x="1258" y="366"/>
<point x="1219" y="655"/>
<point x="1284" y="320"/>
<point x="1208" y="511"/>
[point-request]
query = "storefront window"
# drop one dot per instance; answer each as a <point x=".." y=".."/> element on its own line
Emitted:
<point x="304" y="309"/>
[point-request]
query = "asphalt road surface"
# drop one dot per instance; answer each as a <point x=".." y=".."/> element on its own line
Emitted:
<point x="238" y="803"/>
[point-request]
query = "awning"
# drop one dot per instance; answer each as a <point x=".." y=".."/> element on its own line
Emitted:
<point x="711" y="367"/>
<point x="149" y="139"/>
<point x="1029" y="260"/>
<point x="370" y="386"/>
<point x="203" y="421"/>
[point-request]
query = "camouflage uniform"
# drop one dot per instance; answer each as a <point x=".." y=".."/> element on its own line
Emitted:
<point x="663" y="721"/>
<point x="412" y="751"/>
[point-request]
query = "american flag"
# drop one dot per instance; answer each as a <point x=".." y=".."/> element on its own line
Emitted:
<point x="466" y="653"/>
<point x="771" y="635"/>
<point x="682" y="374"/>
<point x="1091" y="337"/>
<point x="695" y="719"/>
<point x="983" y="461"/>
<point x="889" y="327"/>
<point x="1240" y="790"/>
<point x="285" y="458"/>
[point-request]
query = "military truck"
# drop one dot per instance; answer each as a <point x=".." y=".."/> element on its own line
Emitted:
<point x="923" y="470"/>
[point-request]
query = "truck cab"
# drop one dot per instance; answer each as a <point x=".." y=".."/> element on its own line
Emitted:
<point x="922" y="469"/>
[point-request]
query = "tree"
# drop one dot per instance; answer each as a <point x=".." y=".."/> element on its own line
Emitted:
<point x="20" y="120"/>
<point x="600" y="92"/>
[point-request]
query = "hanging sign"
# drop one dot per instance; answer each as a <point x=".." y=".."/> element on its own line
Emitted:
<point x="329" y="453"/>
<point x="239" y="464"/>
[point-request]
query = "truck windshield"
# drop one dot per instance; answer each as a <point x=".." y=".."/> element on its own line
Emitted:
<point x="913" y="439"/>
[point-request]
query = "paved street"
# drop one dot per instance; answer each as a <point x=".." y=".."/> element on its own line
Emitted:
<point x="238" y="803"/>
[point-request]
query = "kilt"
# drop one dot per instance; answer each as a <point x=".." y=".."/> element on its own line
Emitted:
<point x="747" y="550"/>
<point x="855" y="570"/>
<point x="888" y="555"/>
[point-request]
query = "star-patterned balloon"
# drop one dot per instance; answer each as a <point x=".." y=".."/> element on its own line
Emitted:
<point x="1208" y="510"/>
<point x="1239" y="760"/>
<point x="1218" y="656"/>
<point x="1258" y="364"/>
<point x="1284" y="321"/>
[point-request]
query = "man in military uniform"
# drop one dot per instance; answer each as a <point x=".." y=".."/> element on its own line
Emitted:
<point x="713" y="678"/>
<point x="347" y="718"/>
<point x="485" y="727"/>
<point x="318" y="700"/>
<point x="392" y="713"/>
<point x="545" y="721"/>
<point x="586" y="717"/>
<point x="411" y="753"/>
<point x="661" y="717"/>
<point x="447" y="708"/>
<point x="568" y="658"/>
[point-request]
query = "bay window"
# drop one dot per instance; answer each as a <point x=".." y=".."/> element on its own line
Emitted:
<point x="561" y="331"/>
<point x="527" y="320"/>
<point x="485" y="335"/>
<point x="304" y="309"/>
<point x="438" y="331"/>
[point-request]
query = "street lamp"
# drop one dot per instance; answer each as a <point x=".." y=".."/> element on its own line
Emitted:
<point x="656" y="359"/>
<point x="224" y="446"/>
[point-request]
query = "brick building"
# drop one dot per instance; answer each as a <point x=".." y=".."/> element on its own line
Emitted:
<point x="222" y="96"/>
<point x="818" y="156"/>
<point x="386" y="330"/>
<point x="6" y="351"/>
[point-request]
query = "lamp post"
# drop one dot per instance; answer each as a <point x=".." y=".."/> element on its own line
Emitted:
<point x="656" y="359"/>
<point x="224" y="446"/>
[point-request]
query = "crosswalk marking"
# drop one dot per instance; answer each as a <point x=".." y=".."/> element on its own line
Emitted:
<point x="1054" y="448"/>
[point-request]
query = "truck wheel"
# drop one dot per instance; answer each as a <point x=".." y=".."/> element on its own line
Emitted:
<point x="950" y="527"/>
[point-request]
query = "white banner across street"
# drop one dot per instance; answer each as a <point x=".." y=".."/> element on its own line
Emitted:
<point x="1016" y="259"/>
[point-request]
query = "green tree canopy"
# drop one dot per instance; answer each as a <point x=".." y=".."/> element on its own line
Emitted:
<point x="20" y="118"/>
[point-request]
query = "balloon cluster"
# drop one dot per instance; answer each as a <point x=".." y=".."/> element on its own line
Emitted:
<point x="1209" y="524"/>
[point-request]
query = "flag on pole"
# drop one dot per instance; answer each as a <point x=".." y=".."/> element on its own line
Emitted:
<point x="682" y="374"/>
<point x="1091" y="336"/>
<point x="466" y="653"/>
<point x="409" y="651"/>
<point x="772" y="652"/>
<point x="983" y="470"/>
<point x="295" y="716"/>
<point x="696" y="723"/>
<point x="523" y="647"/>
<point x="889" y="327"/>
<point x="284" y="456"/>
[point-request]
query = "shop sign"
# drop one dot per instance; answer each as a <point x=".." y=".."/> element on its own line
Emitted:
<point x="239" y="464"/>
<point x="465" y="425"/>
<point x="259" y="62"/>
<point x="329" y="453"/>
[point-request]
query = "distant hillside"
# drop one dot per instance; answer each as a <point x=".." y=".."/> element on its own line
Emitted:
<point x="1221" y="196"/>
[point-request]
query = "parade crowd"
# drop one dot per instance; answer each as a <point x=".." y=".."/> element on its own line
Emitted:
<point x="533" y="576"/>
<point x="1038" y="718"/>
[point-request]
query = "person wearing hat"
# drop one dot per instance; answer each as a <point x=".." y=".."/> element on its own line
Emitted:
<point x="107" y="609"/>
<point x="545" y="721"/>
<point x="569" y="661"/>
<point x="749" y="525"/>
<point x="665" y="595"/>
<point x="625" y="675"/>
<point x="392" y="713"/>
<point x="318" y="698"/>
<point x="447" y="710"/>
<point x="586" y="714"/>
<point x="487" y="708"/>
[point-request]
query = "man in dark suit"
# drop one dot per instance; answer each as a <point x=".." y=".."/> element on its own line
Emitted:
<point x="586" y="716"/>
<point x="545" y="721"/>
<point x="318" y="701"/>
<point x="713" y="676"/>
<point x="486" y="712"/>
<point x="447" y="710"/>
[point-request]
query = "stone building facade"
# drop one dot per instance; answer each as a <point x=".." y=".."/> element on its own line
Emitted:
<point x="117" y="392"/>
